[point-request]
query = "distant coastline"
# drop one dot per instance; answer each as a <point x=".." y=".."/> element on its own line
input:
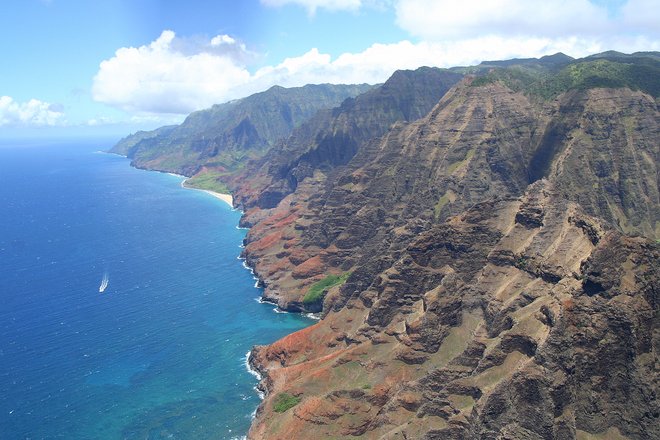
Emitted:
<point x="227" y="198"/>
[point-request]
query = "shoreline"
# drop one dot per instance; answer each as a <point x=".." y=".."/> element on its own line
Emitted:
<point x="250" y="368"/>
<point x="227" y="198"/>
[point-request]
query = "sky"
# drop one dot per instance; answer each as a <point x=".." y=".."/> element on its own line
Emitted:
<point x="116" y="66"/>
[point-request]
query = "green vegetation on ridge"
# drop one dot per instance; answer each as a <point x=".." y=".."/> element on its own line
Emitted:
<point x="208" y="180"/>
<point x="284" y="402"/>
<point x="317" y="289"/>
<point x="228" y="135"/>
<point x="636" y="74"/>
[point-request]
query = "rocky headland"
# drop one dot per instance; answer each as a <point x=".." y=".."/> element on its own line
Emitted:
<point x="482" y="245"/>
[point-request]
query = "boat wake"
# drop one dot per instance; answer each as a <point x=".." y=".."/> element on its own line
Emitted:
<point x="104" y="282"/>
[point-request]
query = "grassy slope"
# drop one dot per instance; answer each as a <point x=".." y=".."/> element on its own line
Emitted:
<point x="636" y="74"/>
<point x="208" y="180"/>
<point x="316" y="291"/>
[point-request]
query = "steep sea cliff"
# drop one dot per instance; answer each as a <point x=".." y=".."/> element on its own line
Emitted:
<point x="484" y="269"/>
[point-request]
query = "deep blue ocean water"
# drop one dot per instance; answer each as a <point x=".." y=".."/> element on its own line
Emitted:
<point x="161" y="352"/>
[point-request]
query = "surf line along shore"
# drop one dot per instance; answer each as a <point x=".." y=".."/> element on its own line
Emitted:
<point x="227" y="198"/>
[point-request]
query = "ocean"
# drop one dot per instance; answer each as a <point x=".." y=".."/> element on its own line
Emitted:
<point x="161" y="352"/>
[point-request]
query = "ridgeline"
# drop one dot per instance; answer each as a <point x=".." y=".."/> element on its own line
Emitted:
<point x="482" y="243"/>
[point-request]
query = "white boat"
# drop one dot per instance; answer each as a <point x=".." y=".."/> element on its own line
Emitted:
<point x="104" y="283"/>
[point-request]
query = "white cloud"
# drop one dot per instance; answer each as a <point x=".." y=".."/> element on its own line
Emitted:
<point x="313" y="5"/>
<point x="30" y="113"/>
<point x="448" y="19"/>
<point x="160" y="79"/>
<point x="642" y="16"/>
<point x="174" y="75"/>
<point x="222" y="39"/>
<point x="101" y="120"/>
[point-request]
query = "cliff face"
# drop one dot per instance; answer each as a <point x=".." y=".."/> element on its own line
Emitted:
<point x="293" y="175"/>
<point x="227" y="135"/>
<point x="521" y="318"/>
<point x="607" y="157"/>
<point x="483" y="250"/>
<point x="333" y="137"/>
<point x="492" y="293"/>
<point x="598" y="146"/>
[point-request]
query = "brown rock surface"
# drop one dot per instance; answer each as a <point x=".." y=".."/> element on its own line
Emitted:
<point x="477" y="144"/>
<point x="490" y="296"/>
<point x="500" y="236"/>
<point x="451" y="343"/>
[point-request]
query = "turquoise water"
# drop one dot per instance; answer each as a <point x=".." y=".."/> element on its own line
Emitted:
<point x="161" y="352"/>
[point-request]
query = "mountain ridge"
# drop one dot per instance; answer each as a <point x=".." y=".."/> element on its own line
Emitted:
<point x="225" y="133"/>
<point x="488" y="241"/>
<point x="407" y="95"/>
<point x="555" y="168"/>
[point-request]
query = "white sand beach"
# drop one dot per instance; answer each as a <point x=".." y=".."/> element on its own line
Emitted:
<point x="227" y="198"/>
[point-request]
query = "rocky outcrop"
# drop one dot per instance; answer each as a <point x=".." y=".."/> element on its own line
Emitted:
<point x="274" y="246"/>
<point x="607" y="159"/>
<point x="477" y="144"/>
<point x="498" y="238"/>
<point x="333" y="137"/>
<point x="425" y="171"/>
<point x="452" y="341"/>
<point x="493" y="293"/>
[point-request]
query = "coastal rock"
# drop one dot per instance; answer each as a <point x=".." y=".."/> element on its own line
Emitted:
<point x="492" y="291"/>
<point x="461" y="373"/>
<point x="497" y="227"/>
